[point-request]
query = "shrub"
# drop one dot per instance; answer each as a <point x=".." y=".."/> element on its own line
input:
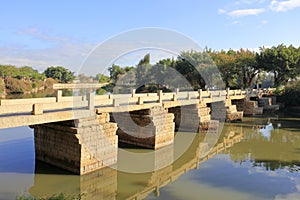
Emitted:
<point x="290" y="95"/>
<point x="100" y="91"/>
<point x="15" y="85"/>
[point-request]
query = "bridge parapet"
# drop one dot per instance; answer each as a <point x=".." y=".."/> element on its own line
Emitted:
<point x="23" y="111"/>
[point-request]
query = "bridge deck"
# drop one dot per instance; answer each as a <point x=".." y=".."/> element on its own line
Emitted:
<point x="22" y="112"/>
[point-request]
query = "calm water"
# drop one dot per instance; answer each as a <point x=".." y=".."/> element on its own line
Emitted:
<point x="260" y="166"/>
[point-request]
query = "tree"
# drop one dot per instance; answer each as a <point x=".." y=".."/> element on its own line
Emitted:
<point x="19" y="73"/>
<point x="59" y="73"/>
<point x="117" y="73"/>
<point x="142" y="70"/>
<point x="102" y="78"/>
<point x="8" y="71"/>
<point x="225" y="62"/>
<point x="198" y="68"/>
<point x="282" y="61"/>
<point x="247" y="68"/>
<point x="30" y="73"/>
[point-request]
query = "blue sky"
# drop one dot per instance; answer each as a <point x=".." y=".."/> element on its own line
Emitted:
<point x="45" y="33"/>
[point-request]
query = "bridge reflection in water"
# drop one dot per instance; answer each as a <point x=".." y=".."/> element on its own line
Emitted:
<point x="109" y="183"/>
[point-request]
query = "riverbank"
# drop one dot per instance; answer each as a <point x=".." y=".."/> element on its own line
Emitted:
<point x="14" y="87"/>
<point x="292" y="111"/>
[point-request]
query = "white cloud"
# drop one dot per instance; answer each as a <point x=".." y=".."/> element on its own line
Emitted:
<point x="249" y="2"/>
<point x="245" y="12"/>
<point x="69" y="55"/>
<point x="63" y="51"/>
<point x="221" y="11"/>
<point x="282" y="6"/>
<point x="235" y="22"/>
<point x="38" y="34"/>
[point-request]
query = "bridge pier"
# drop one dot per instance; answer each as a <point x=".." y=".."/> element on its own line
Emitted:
<point x="150" y="128"/>
<point x="249" y="107"/>
<point x="224" y="110"/>
<point x="194" y="118"/>
<point x="80" y="146"/>
<point x="269" y="104"/>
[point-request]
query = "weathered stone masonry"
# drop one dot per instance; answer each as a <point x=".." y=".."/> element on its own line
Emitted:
<point x="150" y="128"/>
<point x="225" y="111"/>
<point x="79" y="146"/>
<point x="194" y="118"/>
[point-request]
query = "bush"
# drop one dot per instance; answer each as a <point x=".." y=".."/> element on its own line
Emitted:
<point x="2" y="87"/>
<point x="49" y="82"/>
<point x="290" y="95"/>
<point x="15" y="85"/>
<point x="100" y="91"/>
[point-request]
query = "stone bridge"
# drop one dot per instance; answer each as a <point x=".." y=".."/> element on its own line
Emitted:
<point x="81" y="133"/>
<point x="123" y="185"/>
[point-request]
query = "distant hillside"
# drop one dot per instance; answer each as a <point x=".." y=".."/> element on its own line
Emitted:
<point x="23" y="80"/>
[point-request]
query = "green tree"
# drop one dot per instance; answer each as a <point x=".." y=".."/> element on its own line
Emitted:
<point x="19" y="73"/>
<point x="198" y="69"/>
<point x="282" y="61"/>
<point x="59" y="73"/>
<point x="102" y="78"/>
<point x="115" y="72"/>
<point x="246" y="67"/>
<point x="30" y="73"/>
<point x="8" y="71"/>
<point x="225" y="62"/>
<point x="142" y="70"/>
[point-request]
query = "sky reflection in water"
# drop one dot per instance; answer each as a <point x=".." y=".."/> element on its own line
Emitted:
<point x="256" y="168"/>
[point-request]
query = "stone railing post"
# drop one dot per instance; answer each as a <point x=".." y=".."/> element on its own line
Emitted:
<point x="174" y="97"/>
<point x="37" y="109"/>
<point x="200" y="93"/>
<point x="133" y="92"/>
<point x="160" y="96"/>
<point x="140" y="101"/>
<point x="115" y="103"/>
<point x="91" y="101"/>
<point x="227" y="93"/>
<point x="188" y="96"/>
<point x="58" y="95"/>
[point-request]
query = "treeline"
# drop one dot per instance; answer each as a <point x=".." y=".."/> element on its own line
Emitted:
<point x="270" y="67"/>
<point x="24" y="80"/>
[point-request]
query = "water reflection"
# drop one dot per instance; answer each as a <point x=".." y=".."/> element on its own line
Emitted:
<point x="242" y="165"/>
<point x="48" y="180"/>
<point x="280" y="150"/>
<point x="108" y="183"/>
<point x="16" y="161"/>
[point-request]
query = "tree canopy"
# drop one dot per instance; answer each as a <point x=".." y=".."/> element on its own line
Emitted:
<point x="282" y="61"/>
<point x="19" y="73"/>
<point x="59" y="73"/>
<point x="273" y="67"/>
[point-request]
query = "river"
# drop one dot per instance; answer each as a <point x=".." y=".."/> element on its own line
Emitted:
<point x="256" y="166"/>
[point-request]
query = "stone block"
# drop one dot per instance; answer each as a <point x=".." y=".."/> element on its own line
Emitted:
<point x="153" y="128"/>
<point x="83" y="148"/>
<point x="37" y="109"/>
